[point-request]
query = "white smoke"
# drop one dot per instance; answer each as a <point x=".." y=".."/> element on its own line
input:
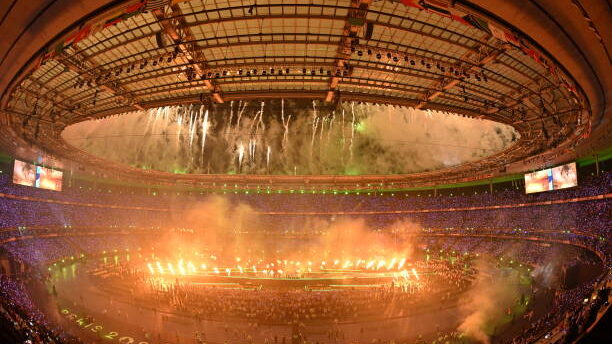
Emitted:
<point x="290" y="138"/>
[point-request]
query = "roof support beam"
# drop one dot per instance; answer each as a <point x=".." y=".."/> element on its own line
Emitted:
<point x="449" y="81"/>
<point x="355" y="20"/>
<point x="178" y="31"/>
<point x="112" y="87"/>
<point x="57" y="99"/>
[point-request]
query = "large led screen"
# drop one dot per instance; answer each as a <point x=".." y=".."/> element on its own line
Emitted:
<point x="556" y="178"/>
<point x="24" y="173"/>
<point x="538" y="181"/>
<point x="564" y="176"/>
<point x="37" y="176"/>
<point x="47" y="178"/>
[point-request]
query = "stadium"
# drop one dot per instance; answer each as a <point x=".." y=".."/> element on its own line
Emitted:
<point x="305" y="172"/>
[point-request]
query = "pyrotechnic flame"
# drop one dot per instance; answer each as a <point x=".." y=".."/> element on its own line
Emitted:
<point x="391" y="264"/>
<point x="401" y="263"/>
<point x="181" y="267"/>
<point x="160" y="268"/>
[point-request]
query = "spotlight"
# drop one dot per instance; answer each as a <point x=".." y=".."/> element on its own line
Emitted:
<point x="239" y="71"/>
<point x="360" y="53"/>
<point x="378" y="56"/>
<point x="271" y="70"/>
<point x="287" y="70"/>
<point x="304" y="70"/>
<point x="369" y="51"/>
<point x="395" y="59"/>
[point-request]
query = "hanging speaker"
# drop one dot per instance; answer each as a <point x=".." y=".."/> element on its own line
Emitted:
<point x="159" y="39"/>
<point x="369" y="30"/>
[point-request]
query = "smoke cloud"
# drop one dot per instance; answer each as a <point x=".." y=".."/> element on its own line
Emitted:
<point x="290" y="137"/>
<point x="229" y="229"/>
<point x="490" y="296"/>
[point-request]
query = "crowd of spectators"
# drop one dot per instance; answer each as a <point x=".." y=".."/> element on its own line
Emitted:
<point x="21" y="321"/>
<point x="128" y="209"/>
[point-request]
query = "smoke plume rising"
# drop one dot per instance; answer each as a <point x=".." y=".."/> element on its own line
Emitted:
<point x="234" y="229"/>
<point x="290" y="137"/>
<point x="490" y="296"/>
